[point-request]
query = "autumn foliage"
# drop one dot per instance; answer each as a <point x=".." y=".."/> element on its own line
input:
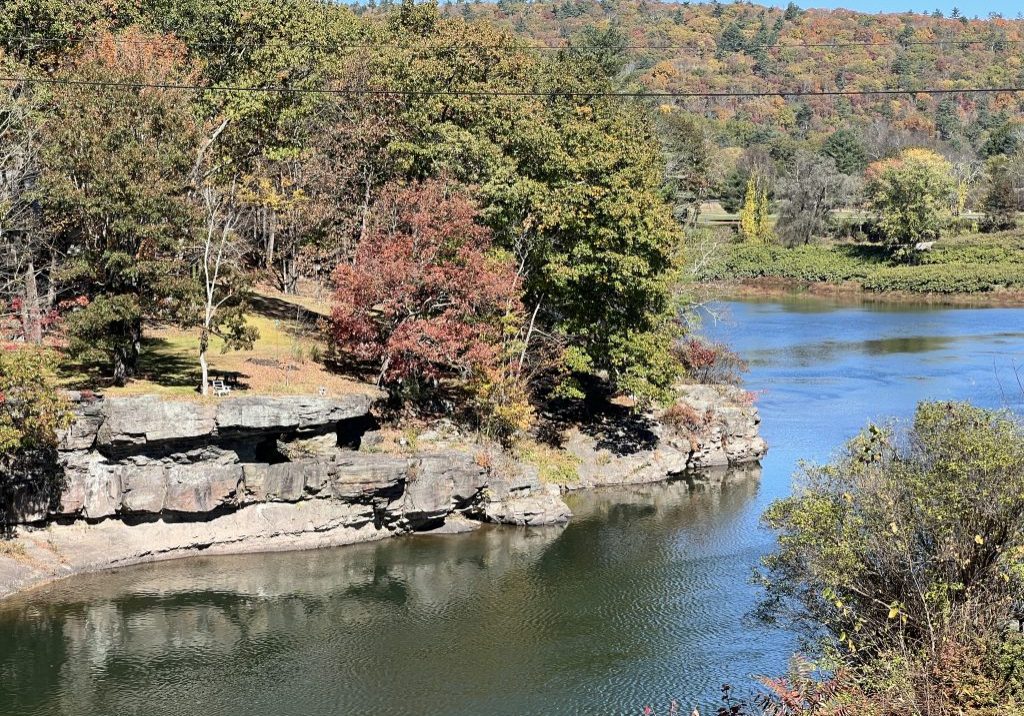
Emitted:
<point x="425" y="298"/>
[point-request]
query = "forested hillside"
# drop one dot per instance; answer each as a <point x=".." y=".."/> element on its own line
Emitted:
<point x="742" y="47"/>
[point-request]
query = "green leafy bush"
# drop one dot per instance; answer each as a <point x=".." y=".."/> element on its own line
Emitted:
<point x="963" y="265"/>
<point x="32" y="414"/>
<point x="905" y="556"/>
<point x="947" y="278"/>
<point x="802" y="263"/>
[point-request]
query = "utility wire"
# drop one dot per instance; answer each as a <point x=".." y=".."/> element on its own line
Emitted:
<point x="363" y="91"/>
<point x="511" y="46"/>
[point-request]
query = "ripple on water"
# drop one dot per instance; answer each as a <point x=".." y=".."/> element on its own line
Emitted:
<point x="640" y="600"/>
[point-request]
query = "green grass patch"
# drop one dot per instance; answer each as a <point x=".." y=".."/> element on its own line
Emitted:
<point x="556" y="467"/>
<point x="285" y="360"/>
<point x="975" y="263"/>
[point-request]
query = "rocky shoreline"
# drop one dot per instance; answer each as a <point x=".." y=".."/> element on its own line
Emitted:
<point x="147" y="479"/>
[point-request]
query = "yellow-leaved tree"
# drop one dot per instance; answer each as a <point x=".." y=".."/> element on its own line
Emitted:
<point x="912" y="194"/>
<point x="755" y="224"/>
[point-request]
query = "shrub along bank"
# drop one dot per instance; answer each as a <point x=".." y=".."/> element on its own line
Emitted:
<point x="963" y="265"/>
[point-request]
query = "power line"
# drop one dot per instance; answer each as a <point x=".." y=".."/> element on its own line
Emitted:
<point x="520" y="47"/>
<point x="640" y="94"/>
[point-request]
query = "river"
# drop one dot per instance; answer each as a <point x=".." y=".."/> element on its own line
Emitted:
<point x="642" y="599"/>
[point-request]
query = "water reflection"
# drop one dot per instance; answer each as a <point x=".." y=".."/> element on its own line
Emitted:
<point x="372" y="625"/>
<point x="641" y="599"/>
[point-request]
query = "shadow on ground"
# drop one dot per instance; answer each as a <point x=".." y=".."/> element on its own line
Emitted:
<point x="282" y="310"/>
<point x="617" y="428"/>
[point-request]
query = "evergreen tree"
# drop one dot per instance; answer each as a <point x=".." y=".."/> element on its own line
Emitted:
<point x="946" y="119"/>
<point x="846" y="151"/>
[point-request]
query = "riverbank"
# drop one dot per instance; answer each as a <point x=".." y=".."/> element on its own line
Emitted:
<point x="968" y="270"/>
<point x="148" y="479"/>
<point x="853" y="293"/>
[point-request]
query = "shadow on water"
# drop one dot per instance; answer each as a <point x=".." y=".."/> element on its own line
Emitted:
<point x="521" y="615"/>
<point x="641" y="599"/>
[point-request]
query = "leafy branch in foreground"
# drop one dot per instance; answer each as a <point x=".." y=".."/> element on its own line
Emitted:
<point x="906" y="557"/>
<point x="32" y="415"/>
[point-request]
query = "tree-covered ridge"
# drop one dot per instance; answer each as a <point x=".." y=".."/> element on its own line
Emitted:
<point x="743" y="47"/>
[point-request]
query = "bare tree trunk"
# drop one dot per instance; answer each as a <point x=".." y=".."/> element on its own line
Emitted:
<point x="289" y="272"/>
<point x="270" y="234"/>
<point x="126" y="356"/>
<point x="51" y="282"/>
<point x="204" y="345"/>
<point x="529" y="334"/>
<point x="33" y="316"/>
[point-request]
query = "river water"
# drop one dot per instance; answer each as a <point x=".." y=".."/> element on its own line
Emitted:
<point x="641" y="600"/>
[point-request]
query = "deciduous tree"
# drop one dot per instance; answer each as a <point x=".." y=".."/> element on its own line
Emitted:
<point x="1004" y="192"/>
<point x="912" y="194"/>
<point x="907" y="551"/>
<point x="222" y="279"/>
<point x="33" y="412"/>
<point x="117" y="166"/>
<point x="811" y="191"/>
<point x="425" y="298"/>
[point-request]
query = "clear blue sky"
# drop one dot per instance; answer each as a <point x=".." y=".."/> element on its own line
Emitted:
<point x="970" y="8"/>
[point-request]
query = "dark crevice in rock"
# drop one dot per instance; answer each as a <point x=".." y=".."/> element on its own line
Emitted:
<point x="350" y="432"/>
<point x="428" y="524"/>
<point x="266" y="450"/>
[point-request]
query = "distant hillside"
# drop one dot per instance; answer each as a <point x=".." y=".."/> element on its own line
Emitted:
<point x="734" y="47"/>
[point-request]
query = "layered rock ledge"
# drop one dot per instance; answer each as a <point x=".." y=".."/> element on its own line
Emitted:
<point x="146" y="479"/>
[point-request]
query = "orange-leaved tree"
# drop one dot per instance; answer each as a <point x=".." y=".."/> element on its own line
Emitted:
<point x="426" y="299"/>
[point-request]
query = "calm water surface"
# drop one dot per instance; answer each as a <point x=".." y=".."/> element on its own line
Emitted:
<point x="641" y="599"/>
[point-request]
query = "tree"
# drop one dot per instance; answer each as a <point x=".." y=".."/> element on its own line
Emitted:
<point x="911" y="194"/>
<point x="947" y="119"/>
<point x="570" y="182"/>
<point x="604" y="50"/>
<point x="1006" y="139"/>
<point x="689" y="151"/>
<point x="117" y="165"/>
<point x="843" y="147"/>
<point x="33" y="412"/>
<point x="21" y="242"/>
<point x="810" y="193"/>
<point x="272" y="138"/>
<point x="966" y="169"/>
<point x="754" y="216"/>
<point x="42" y="33"/>
<point x="223" y="281"/>
<point x="424" y="299"/>
<point x="1004" y="194"/>
<point x="907" y="552"/>
<point x="732" y="39"/>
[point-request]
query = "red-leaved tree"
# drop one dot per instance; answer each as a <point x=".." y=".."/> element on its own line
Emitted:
<point x="425" y="298"/>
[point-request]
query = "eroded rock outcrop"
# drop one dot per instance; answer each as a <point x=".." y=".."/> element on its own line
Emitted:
<point x="147" y="478"/>
<point x="142" y="458"/>
<point x="723" y="431"/>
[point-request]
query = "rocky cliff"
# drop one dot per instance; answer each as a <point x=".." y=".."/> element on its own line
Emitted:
<point x="721" y="429"/>
<point x="146" y="478"/>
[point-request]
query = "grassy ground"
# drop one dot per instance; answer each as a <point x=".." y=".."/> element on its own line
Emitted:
<point x="988" y="265"/>
<point x="285" y="360"/>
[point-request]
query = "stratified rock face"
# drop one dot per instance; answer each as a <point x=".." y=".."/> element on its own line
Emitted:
<point x="144" y="457"/>
<point x="149" y="479"/>
<point x="129" y="423"/>
<point x="132" y="457"/>
<point x="729" y="436"/>
<point x="260" y="413"/>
